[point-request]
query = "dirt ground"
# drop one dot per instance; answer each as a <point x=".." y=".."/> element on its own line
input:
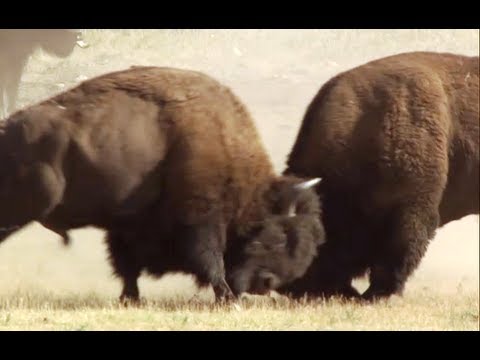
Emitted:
<point x="276" y="73"/>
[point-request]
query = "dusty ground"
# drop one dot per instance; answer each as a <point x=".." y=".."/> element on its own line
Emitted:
<point x="276" y="73"/>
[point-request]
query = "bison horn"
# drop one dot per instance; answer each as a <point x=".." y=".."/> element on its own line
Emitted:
<point x="308" y="184"/>
<point x="298" y="188"/>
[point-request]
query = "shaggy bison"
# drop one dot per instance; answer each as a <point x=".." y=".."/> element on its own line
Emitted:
<point x="396" y="144"/>
<point x="169" y="162"/>
<point x="262" y="251"/>
<point x="16" y="47"/>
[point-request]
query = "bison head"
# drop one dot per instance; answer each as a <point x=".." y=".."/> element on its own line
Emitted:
<point x="278" y="249"/>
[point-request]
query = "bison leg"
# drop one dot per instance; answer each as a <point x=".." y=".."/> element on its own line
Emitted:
<point x="130" y="292"/>
<point x="330" y="275"/>
<point x="125" y="265"/>
<point x="204" y="249"/>
<point x="413" y="228"/>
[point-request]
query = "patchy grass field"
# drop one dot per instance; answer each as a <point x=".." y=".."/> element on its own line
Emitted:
<point x="44" y="286"/>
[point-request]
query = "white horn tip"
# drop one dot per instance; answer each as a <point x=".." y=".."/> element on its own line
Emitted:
<point x="308" y="184"/>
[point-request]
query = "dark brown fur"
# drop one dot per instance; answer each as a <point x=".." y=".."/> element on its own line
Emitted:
<point x="170" y="162"/>
<point x="396" y="143"/>
<point x="259" y="254"/>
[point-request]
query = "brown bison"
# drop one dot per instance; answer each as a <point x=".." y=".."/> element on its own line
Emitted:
<point x="16" y="47"/>
<point x="169" y="162"/>
<point x="396" y="144"/>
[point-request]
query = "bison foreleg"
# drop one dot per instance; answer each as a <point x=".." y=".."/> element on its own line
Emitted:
<point x="413" y="228"/>
<point x="204" y="249"/>
<point x="130" y="292"/>
<point x="123" y="260"/>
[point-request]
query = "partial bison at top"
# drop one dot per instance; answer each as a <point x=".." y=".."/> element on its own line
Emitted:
<point x="396" y="144"/>
<point x="16" y="47"/>
<point x="170" y="163"/>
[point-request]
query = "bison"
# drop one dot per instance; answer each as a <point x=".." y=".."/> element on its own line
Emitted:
<point x="16" y="46"/>
<point x="170" y="164"/>
<point x="396" y="144"/>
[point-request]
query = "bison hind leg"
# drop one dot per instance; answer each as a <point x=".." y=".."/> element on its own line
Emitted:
<point x="412" y="229"/>
<point x="130" y="294"/>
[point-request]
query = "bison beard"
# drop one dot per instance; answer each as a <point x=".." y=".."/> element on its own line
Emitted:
<point x="169" y="162"/>
<point x="396" y="143"/>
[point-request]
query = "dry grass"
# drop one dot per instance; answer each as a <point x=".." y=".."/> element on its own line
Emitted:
<point x="276" y="73"/>
<point x="420" y="310"/>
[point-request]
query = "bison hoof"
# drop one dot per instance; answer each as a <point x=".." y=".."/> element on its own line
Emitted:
<point x="226" y="297"/>
<point x="223" y="293"/>
<point x="372" y="295"/>
<point x="347" y="293"/>
<point x="127" y="300"/>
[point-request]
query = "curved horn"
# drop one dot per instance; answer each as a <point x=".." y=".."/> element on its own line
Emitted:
<point x="298" y="188"/>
